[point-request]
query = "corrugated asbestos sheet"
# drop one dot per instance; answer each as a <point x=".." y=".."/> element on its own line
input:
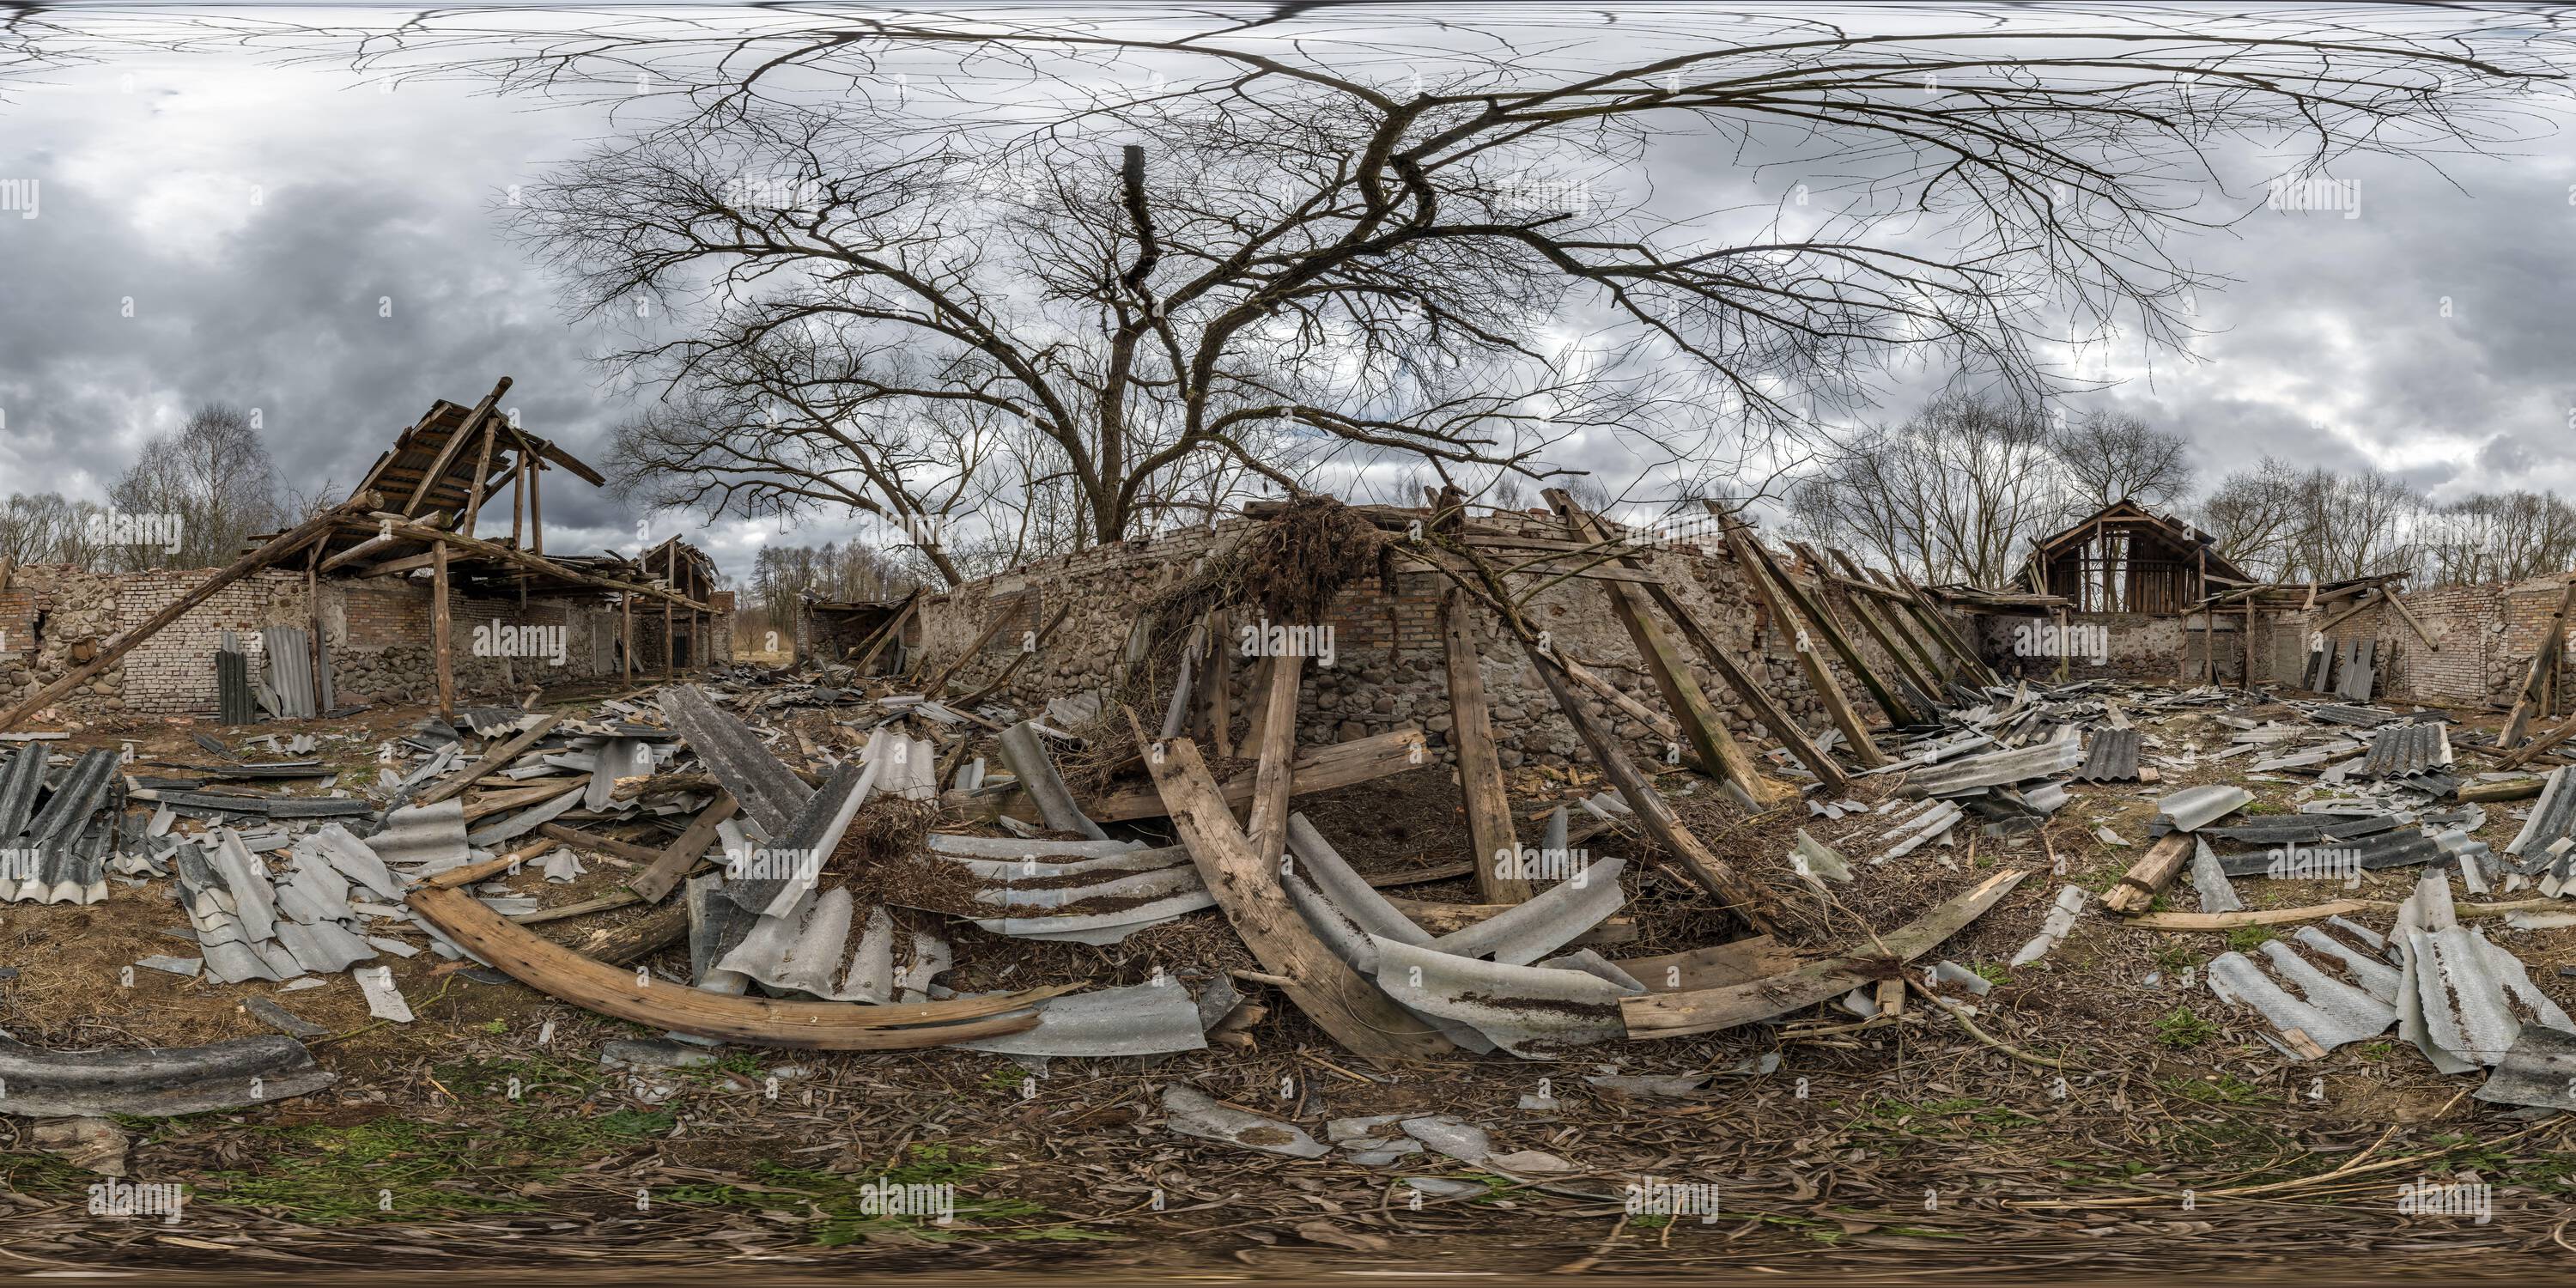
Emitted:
<point x="2365" y="717"/>
<point x="233" y="704"/>
<point x="2400" y="751"/>
<point x="290" y="670"/>
<point x="2403" y="848"/>
<point x="2358" y="672"/>
<point x="2302" y="829"/>
<point x="734" y="754"/>
<point x="21" y="781"/>
<point x="2112" y="757"/>
<point x="2552" y="816"/>
<point x="1997" y="768"/>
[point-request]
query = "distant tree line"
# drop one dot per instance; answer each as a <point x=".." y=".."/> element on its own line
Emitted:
<point x="191" y="499"/>
<point x="1960" y="491"/>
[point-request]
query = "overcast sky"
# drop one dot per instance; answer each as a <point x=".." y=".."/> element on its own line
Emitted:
<point x="296" y="241"/>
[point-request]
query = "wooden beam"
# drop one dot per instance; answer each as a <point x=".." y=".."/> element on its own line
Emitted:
<point x="1924" y="686"/>
<point x="1939" y="628"/>
<point x="1699" y="721"/>
<point x="1267" y="825"/>
<point x="1935" y="667"/>
<point x="670" y="865"/>
<point x="366" y="549"/>
<point x="498" y="759"/>
<point x="1610" y="693"/>
<point x="1819" y="677"/>
<point x="1491" y="833"/>
<point x="1247" y="887"/>
<point x="2398" y="602"/>
<point x="1217" y="717"/>
<point x="2362" y="605"/>
<point x="1678" y="1014"/>
<point x="1825" y="623"/>
<point x="893" y="627"/>
<point x="537" y="507"/>
<point x="1765" y="708"/>
<point x="1316" y="769"/>
<point x="939" y="685"/>
<point x="494" y="550"/>
<point x="2543" y="659"/>
<point x="482" y="471"/>
<point x="626" y="650"/>
<point x="439" y="624"/>
<point x="447" y="451"/>
<point x="2154" y="870"/>
<point x="276" y="548"/>
<point x="595" y="986"/>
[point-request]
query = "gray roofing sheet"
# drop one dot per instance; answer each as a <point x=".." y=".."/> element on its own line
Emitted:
<point x="2403" y="750"/>
<point x="2111" y="757"/>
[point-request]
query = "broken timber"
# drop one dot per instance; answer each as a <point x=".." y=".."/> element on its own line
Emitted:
<point x="499" y="759"/>
<point x="1820" y="677"/>
<point x="1490" y="831"/>
<point x="1316" y="769"/>
<point x="2154" y="870"/>
<point x="560" y="973"/>
<point x="1678" y="1014"/>
<point x="1247" y="888"/>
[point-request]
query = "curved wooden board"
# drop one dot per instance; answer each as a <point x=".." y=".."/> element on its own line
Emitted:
<point x="559" y="972"/>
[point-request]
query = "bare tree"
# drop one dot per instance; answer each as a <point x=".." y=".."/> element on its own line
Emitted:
<point x="2113" y="456"/>
<point x="1953" y="494"/>
<point x="2497" y="537"/>
<point x="213" y="477"/>
<point x="2284" y="524"/>
<point x="1147" y="242"/>
<point x="2253" y="517"/>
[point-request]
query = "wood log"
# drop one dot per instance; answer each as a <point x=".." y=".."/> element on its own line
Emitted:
<point x="1247" y="889"/>
<point x="1317" y="769"/>
<point x="1491" y="834"/>
<point x="499" y="759"/>
<point x="2154" y="870"/>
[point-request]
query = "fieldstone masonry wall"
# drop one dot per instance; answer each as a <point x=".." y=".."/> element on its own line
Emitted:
<point x="1389" y="668"/>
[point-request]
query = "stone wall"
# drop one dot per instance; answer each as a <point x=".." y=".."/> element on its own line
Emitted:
<point x="53" y="618"/>
<point x="1388" y="666"/>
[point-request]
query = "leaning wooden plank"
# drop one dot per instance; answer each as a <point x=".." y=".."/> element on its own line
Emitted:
<point x="1266" y="826"/>
<point x="670" y="865"/>
<point x="1746" y="899"/>
<point x="1317" y="769"/>
<point x="1248" y="890"/>
<point x="1610" y="693"/>
<point x="429" y="478"/>
<point x="123" y="642"/>
<point x="1922" y="688"/>
<point x="499" y="759"/>
<point x="939" y="684"/>
<point x="1765" y="708"/>
<point x="1036" y="771"/>
<point x="2153" y="871"/>
<point x="2398" y="602"/>
<point x="581" y="840"/>
<point x="1823" y="619"/>
<point x="1939" y="627"/>
<point x="2543" y="660"/>
<point x="1699" y="721"/>
<point x="2521" y="755"/>
<point x="1671" y="1015"/>
<point x="1491" y="835"/>
<point x="560" y="973"/>
<point x="885" y="634"/>
<point x="1819" y="676"/>
<point x="1028" y="649"/>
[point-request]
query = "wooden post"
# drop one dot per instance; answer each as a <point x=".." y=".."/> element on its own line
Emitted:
<point x="519" y="497"/>
<point x="482" y="471"/>
<point x="313" y="607"/>
<point x="1819" y="678"/>
<point x="2064" y="620"/>
<point x="1219" y="685"/>
<point x="1491" y="834"/>
<point x="536" y="506"/>
<point x="2249" y="639"/>
<point x="1266" y="822"/>
<point x="447" y="452"/>
<point x="2543" y="658"/>
<point x="626" y="604"/>
<point x="1765" y="708"/>
<point x="439" y="624"/>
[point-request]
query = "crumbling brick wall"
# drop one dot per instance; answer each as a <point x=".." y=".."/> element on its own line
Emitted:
<point x="1389" y="666"/>
<point x="53" y="618"/>
<point x="2482" y="642"/>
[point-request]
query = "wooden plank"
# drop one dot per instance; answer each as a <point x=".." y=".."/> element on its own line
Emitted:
<point x="499" y="759"/>
<point x="1611" y="693"/>
<point x="429" y="478"/>
<point x="482" y="471"/>
<point x="2154" y="870"/>
<point x="1247" y="889"/>
<point x="1939" y="628"/>
<point x="496" y="551"/>
<point x="1819" y="677"/>
<point x="558" y="972"/>
<point x="1267" y="824"/>
<point x="276" y="548"/>
<point x="1317" y="769"/>
<point x="1679" y="1014"/>
<point x="1765" y="708"/>
<point x="1218" y="716"/>
<point x="1712" y="967"/>
<point x="1825" y="623"/>
<point x="886" y="633"/>
<point x="581" y="840"/>
<point x="1699" y="721"/>
<point x="1028" y="650"/>
<point x="626" y="638"/>
<point x="673" y="863"/>
<point x="440" y="624"/>
<point x="1921" y="679"/>
<point x="1491" y="833"/>
<point x="1742" y="897"/>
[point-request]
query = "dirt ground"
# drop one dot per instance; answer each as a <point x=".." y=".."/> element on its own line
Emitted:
<point x="2139" y="1130"/>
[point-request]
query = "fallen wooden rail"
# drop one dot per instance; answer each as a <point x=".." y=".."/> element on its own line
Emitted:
<point x="1316" y="769"/>
<point x="558" y="972"/>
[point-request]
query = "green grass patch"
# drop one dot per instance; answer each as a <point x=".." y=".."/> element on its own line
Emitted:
<point x="845" y="1210"/>
<point x="2180" y="1028"/>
